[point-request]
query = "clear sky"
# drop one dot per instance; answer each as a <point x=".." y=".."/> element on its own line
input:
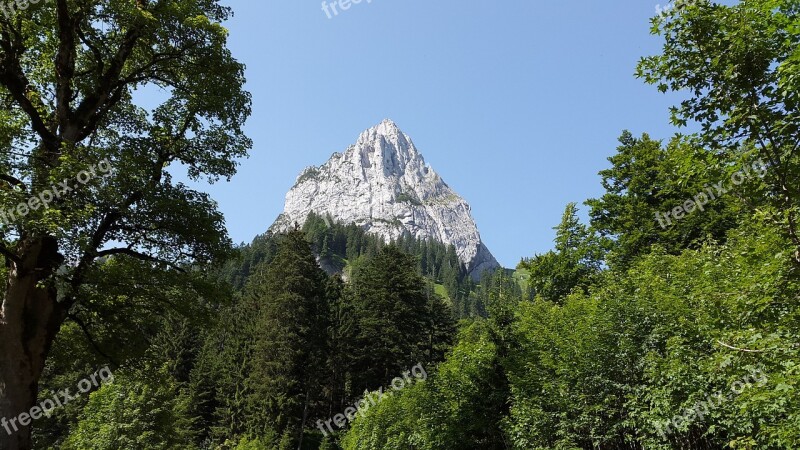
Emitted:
<point x="515" y="103"/>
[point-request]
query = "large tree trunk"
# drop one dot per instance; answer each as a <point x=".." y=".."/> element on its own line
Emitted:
<point x="29" y="321"/>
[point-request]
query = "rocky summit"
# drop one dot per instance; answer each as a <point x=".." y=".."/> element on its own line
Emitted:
<point x="383" y="185"/>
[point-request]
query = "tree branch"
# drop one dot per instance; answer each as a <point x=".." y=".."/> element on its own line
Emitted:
<point x="91" y="340"/>
<point x="91" y="106"/>
<point x="134" y="254"/>
<point x="14" y="80"/>
<point x="13" y="181"/>
<point x="10" y="255"/>
<point x="65" y="66"/>
<point x="739" y="349"/>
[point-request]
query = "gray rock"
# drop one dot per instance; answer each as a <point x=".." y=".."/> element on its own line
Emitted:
<point x="383" y="185"/>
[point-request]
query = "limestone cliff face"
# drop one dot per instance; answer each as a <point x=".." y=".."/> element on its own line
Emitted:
<point x="383" y="184"/>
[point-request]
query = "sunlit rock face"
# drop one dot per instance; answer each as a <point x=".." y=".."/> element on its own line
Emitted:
<point x="383" y="184"/>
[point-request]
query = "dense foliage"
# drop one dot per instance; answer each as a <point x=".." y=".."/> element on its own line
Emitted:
<point x="342" y="248"/>
<point x="641" y="333"/>
<point x="639" y="330"/>
<point x="96" y="235"/>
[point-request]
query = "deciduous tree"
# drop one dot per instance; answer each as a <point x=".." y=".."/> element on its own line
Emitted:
<point x="69" y="70"/>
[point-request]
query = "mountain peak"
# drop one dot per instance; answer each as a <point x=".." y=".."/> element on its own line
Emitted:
<point x="386" y="129"/>
<point x="388" y="126"/>
<point x="386" y="147"/>
<point x="383" y="185"/>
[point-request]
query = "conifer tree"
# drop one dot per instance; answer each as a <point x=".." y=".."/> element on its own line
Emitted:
<point x="573" y="264"/>
<point x="390" y="305"/>
<point x="290" y="340"/>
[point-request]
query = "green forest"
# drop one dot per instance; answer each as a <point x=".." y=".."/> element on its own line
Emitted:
<point x="669" y="319"/>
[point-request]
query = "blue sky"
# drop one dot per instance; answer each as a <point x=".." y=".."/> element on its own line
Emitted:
<point x="517" y="104"/>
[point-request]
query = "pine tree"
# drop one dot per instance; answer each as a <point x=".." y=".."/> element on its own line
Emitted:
<point x="390" y="305"/>
<point x="290" y="338"/>
<point x="326" y="249"/>
<point x="440" y="331"/>
<point x="341" y="346"/>
<point x="573" y="264"/>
